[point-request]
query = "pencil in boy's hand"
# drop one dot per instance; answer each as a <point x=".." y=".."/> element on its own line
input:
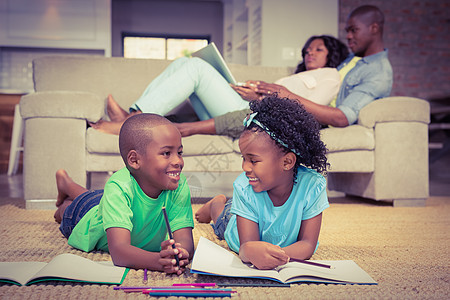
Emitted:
<point x="166" y="218"/>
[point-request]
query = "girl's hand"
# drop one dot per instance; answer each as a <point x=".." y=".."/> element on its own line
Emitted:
<point x="167" y="257"/>
<point x="264" y="255"/>
<point x="265" y="88"/>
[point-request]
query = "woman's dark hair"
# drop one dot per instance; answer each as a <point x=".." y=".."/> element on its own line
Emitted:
<point x="293" y="125"/>
<point x="337" y="52"/>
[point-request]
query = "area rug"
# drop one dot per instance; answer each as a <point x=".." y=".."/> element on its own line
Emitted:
<point x="406" y="250"/>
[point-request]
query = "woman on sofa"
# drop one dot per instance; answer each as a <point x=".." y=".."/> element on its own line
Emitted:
<point x="315" y="78"/>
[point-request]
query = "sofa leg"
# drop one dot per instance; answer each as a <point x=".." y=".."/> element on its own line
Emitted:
<point x="408" y="202"/>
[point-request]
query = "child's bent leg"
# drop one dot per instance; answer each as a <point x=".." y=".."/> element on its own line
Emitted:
<point x="73" y="211"/>
<point x="67" y="188"/>
<point x="211" y="210"/>
<point x="59" y="213"/>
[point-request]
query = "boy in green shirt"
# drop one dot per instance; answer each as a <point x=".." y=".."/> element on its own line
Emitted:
<point x="126" y="218"/>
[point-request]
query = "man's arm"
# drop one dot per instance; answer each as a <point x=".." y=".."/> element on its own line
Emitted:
<point x="325" y="115"/>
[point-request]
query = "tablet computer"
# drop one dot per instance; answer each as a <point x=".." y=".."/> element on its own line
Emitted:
<point x="212" y="55"/>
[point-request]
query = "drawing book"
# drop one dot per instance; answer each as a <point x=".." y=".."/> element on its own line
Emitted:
<point x="212" y="259"/>
<point x="63" y="267"/>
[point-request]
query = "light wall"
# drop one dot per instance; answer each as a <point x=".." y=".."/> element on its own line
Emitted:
<point x="287" y="24"/>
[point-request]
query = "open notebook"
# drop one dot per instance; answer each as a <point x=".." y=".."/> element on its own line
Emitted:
<point x="212" y="55"/>
<point x="212" y="259"/>
<point x="63" y="267"/>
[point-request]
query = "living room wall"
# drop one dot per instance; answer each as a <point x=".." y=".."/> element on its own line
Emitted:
<point x="176" y="17"/>
<point x="417" y="36"/>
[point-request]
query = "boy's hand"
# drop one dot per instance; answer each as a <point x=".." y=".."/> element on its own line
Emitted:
<point x="264" y="255"/>
<point x="167" y="257"/>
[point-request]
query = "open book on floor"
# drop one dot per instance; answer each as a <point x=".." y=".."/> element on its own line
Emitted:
<point x="212" y="259"/>
<point x="63" y="267"/>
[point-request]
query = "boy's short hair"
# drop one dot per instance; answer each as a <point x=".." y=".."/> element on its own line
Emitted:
<point x="136" y="132"/>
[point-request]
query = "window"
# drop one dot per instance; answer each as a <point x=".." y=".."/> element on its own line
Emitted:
<point x="160" y="47"/>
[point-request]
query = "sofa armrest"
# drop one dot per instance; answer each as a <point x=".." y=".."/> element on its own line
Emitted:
<point x="395" y="109"/>
<point x="62" y="104"/>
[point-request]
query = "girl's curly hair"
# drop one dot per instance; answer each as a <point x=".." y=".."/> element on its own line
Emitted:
<point x="294" y="126"/>
<point x="337" y="51"/>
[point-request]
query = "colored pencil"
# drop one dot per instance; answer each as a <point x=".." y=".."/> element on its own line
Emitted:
<point x="145" y="277"/>
<point x="166" y="218"/>
<point x="255" y="284"/>
<point x="202" y="284"/>
<point x="311" y="263"/>
<point x="205" y="293"/>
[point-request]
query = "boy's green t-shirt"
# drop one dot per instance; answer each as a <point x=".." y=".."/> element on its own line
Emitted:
<point x="125" y="205"/>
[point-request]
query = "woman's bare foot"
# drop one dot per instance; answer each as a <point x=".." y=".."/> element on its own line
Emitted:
<point x="211" y="210"/>
<point x="111" y="127"/>
<point x="107" y="126"/>
<point x="115" y="112"/>
<point x="60" y="211"/>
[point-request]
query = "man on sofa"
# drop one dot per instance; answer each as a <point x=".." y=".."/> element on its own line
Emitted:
<point x="367" y="71"/>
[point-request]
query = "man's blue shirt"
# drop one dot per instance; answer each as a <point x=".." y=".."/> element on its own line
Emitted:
<point x="370" y="79"/>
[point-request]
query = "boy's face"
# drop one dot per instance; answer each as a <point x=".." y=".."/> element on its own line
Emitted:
<point x="262" y="161"/>
<point x="161" y="165"/>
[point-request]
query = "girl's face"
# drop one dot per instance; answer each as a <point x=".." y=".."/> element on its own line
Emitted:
<point x="316" y="55"/>
<point x="263" y="162"/>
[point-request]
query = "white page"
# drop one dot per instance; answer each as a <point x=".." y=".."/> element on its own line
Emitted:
<point x="20" y="271"/>
<point x="343" y="270"/>
<point x="71" y="266"/>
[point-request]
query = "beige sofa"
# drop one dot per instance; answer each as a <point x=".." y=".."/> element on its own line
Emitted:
<point x="383" y="157"/>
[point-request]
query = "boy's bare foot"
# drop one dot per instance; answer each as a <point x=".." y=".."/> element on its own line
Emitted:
<point x="61" y="185"/>
<point x="115" y="112"/>
<point x="211" y="210"/>
<point x="60" y="211"/>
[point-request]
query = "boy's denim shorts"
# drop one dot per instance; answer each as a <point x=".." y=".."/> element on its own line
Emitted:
<point x="77" y="209"/>
<point x="222" y="221"/>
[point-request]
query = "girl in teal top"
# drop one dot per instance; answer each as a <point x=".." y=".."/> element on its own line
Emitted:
<point x="277" y="204"/>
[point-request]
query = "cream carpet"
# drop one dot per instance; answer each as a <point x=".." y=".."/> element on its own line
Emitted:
<point x="406" y="250"/>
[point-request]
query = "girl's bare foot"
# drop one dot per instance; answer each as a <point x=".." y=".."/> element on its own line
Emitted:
<point x="211" y="210"/>
<point x="115" y="112"/>
<point x="60" y="211"/>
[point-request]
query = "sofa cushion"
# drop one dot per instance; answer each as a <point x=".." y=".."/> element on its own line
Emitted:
<point x="99" y="142"/>
<point x="355" y="137"/>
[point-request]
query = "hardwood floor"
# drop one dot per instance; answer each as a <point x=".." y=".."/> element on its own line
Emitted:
<point x="7" y="105"/>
